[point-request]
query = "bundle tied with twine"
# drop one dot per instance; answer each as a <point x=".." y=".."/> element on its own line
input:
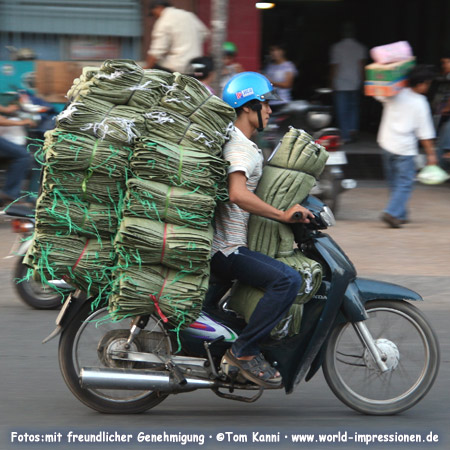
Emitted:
<point x="144" y="241"/>
<point x="57" y="213"/>
<point x="122" y="82"/>
<point x="76" y="151"/>
<point x="103" y="120"/>
<point x="286" y="180"/>
<point x="184" y="167"/>
<point x="174" y="296"/>
<point x="192" y="99"/>
<point x="244" y="298"/>
<point x="169" y="126"/>
<point x="169" y="204"/>
<point x="82" y="262"/>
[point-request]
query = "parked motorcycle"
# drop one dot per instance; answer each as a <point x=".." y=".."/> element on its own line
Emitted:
<point x="31" y="292"/>
<point x="316" y="118"/>
<point x="378" y="352"/>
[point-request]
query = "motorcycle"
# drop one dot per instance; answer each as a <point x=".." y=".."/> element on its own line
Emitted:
<point x="31" y="292"/>
<point x="315" y="117"/>
<point x="378" y="352"/>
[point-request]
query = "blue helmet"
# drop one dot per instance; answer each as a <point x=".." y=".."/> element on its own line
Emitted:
<point x="247" y="86"/>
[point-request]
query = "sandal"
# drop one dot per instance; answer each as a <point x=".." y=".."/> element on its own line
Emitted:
<point x="256" y="370"/>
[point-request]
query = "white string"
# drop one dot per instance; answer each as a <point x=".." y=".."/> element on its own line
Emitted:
<point x="68" y="112"/>
<point x="159" y="117"/>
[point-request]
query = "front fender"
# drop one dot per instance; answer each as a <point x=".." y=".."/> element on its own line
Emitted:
<point x="378" y="290"/>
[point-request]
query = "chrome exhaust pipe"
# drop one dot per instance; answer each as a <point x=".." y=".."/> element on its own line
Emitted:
<point x="134" y="379"/>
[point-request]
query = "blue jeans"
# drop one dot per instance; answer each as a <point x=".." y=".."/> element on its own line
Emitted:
<point x="18" y="166"/>
<point x="400" y="172"/>
<point x="346" y="104"/>
<point x="280" y="282"/>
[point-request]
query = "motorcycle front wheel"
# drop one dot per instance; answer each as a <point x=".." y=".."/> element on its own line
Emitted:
<point x="407" y="344"/>
<point x="90" y="340"/>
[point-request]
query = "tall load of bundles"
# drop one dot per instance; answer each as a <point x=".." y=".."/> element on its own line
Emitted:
<point x="287" y="179"/>
<point x="132" y="175"/>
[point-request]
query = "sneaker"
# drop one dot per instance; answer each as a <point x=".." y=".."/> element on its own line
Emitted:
<point x="392" y="221"/>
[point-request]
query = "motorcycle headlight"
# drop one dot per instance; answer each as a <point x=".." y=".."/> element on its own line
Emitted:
<point x="327" y="216"/>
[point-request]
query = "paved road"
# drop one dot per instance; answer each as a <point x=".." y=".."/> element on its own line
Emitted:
<point x="34" y="399"/>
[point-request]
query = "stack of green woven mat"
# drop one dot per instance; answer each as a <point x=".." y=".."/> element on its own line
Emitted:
<point x="173" y="296"/>
<point x="287" y="179"/>
<point x="172" y="127"/>
<point x="194" y="101"/>
<point x="177" y="247"/>
<point x="184" y="167"/>
<point x="122" y="82"/>
<point x="131" y="180"/>
<point x="83" y="262"/>
<point x="84" y="182"/>
<point x="178" y="206"/>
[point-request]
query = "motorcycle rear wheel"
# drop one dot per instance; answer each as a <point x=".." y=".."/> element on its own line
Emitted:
<point x="403" y="334"/>
<point x="82" y="344"/>
<point x="33" y="293"/>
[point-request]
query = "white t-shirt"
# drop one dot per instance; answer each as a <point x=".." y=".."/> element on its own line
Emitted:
<point x="231" y="221"/>
<point x="406" y="119"/>
<point x="348" y="55"/>
<point x="177" y="37"/>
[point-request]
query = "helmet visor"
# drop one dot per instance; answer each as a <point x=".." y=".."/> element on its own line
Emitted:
<point x="271" y="95"/>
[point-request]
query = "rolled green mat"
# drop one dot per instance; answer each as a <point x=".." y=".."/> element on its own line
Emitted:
<point x="298" y="151"/>
<point x="56" y="213"/>
<point x="158" y="290"/>
<point x="182" y="167"/>
<point x="272" y="238"/>
<point x="283" y="188"/>
<point x="244" y="298"/>
<point x="158" y="201"/>
<point x="83" y="186"/>
<point x="82" y="262"/>
<point x="75" y="151"/>
<point x="165" y="125"/>
<point x="102" y="120"/>
<point x="145" y="241"/>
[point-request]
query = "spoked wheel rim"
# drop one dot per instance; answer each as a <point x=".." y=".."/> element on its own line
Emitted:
<point x="99" y="336"/>
<point x="359" y="373"/>
<point x="408" y="346"/>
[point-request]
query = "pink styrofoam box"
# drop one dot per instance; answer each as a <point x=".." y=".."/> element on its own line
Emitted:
<point x="397" y="51"/>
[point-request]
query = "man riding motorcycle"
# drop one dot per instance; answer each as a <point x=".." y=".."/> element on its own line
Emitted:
<point x="249" y="93"/>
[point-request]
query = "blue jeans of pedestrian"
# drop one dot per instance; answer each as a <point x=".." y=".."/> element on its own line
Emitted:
<point x="20" y="162"/>
<point x="346" y="104"/>
<point x="279" y="282"/>
<point x="400" y="172"/>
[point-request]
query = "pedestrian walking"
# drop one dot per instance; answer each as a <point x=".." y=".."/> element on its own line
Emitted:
<point x="177" y="37"/>
<point x="406" y="120"/>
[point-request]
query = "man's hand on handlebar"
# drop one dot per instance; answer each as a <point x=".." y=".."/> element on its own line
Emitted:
<point x="297" y="214"/>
